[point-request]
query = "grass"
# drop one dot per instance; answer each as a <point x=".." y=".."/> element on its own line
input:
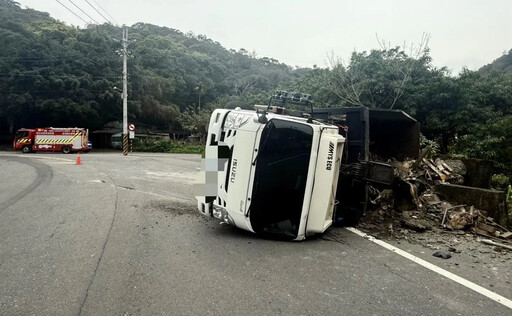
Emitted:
<point x="167" y="146"/>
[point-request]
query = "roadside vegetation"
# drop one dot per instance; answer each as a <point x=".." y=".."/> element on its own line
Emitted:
<point x="167" y="146"/>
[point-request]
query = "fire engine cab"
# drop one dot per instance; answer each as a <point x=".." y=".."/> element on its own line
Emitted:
<point x="67" y="140"/>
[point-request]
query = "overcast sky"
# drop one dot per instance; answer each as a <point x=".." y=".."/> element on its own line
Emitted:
<point x="467" y="33"/>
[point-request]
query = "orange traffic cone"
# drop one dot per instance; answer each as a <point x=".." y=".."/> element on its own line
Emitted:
<point x="78" y="160"/>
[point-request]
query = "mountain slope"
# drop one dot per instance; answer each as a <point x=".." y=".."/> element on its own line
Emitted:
<point x="502" y="64"/>
<point x="54" y="74"/>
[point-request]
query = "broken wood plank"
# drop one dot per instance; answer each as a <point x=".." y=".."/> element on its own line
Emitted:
<point x="480" y="232"/>
<point x="444" y="216"/>
<point x="507" y="235"/>
<point x="491" y="220"/>
<point x="422" y="155"/>
<point x="447" y="166"/>
<point x="431" y="166"/>
<point x="428" y="176"/>
<point x="440" y="167"/>
<point x="490" y="242"/>
<point x="488" y="228"/>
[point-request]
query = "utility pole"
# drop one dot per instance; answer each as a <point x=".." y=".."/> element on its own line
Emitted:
<point x="125" y="91"/>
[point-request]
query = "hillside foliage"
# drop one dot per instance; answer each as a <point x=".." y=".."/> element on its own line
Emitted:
<point x="502" y="64"/>
<point x="54" y="74"/>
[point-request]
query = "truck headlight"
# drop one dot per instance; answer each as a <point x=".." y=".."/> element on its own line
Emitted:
<point x="234" y="120"/>
<point x="223" y="215"/>
<point x="230" y="120"/>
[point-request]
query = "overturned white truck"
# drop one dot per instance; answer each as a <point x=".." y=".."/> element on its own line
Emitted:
<point x="275" y="172"/>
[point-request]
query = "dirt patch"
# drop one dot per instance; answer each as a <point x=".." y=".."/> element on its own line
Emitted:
<point x="174" y="207"/>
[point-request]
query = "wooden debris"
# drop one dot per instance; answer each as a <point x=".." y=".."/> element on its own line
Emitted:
<point x="417" y="193"/>
<point x="447" y="166"/>
<point x="480" y="232"/>
<point x="507" y="235"/>
<point x="460" y="220"/>
<point x="490" y="242"/>
<point x="432" y="167"/>
<point x="488" y="228"/>
<point x="444" y="216"/>
<point x="422" y="155"/>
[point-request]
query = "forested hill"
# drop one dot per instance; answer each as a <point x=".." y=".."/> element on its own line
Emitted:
<point x="502" y="64"/>
<point x="54" y="74"/>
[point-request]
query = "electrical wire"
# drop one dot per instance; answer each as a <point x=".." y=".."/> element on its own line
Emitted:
<point x="105" y="11"/>
<point x="59" y="76"/>
<point x="98" y="12"/>
<point x="72" y="12"/>
<point x="84" y="12"/>
<point x="59" y="91"/>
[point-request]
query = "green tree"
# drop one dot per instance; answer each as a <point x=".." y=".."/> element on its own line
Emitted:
<point x="377" y="79"/>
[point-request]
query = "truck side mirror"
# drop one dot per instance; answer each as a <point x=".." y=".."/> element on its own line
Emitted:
<point x="263" y="118"/>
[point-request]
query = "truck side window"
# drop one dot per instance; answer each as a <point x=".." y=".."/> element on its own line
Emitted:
<point x="21" y="134"/>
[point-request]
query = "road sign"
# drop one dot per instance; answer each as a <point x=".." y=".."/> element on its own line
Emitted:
<point x="131" y="134"/>
<point x="131" y="127"/>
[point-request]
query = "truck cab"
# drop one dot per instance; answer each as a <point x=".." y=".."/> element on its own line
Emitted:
<point x="271" y="174"/>
<point x="23" y="140"/>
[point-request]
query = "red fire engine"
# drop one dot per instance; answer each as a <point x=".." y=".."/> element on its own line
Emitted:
<point x="67" y="140"/>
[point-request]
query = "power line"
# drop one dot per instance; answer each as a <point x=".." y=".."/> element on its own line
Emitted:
<point x="62" y="91"/>
<point x="98" y="12"/>
<point x="45" y="58"/>
<point x="58" y="76"/>
<point x="104" y="11"/>
<point x="84" y="12"/>
<point x="72" y="12"/>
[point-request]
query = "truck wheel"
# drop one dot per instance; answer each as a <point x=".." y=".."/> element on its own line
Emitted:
<point x="66" y="150"/>
<point x="348" y="216"/>
<point x="26" y="149"/>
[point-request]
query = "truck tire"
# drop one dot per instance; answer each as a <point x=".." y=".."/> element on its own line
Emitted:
<point x="66" y="150"/>
<point x="348" y="216"/>
<point x="26" y="149"/>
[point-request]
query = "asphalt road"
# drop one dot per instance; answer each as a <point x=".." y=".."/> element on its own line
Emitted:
<point x="121" y="236"/>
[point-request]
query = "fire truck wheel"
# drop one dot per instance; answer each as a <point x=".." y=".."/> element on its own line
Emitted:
<point x="66" y="150"/>
<point x="26" y="149"/>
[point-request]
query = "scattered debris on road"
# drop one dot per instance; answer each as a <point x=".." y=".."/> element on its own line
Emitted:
<point x="429" y="196"/>
<point x="442" y="254"/>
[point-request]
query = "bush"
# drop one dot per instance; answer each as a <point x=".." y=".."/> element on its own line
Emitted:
<point x="500" y="182"/>
<point x="434" y="146"/>
<point x="167" y="146"/>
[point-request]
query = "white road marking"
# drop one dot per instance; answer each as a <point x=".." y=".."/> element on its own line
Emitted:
<point x="475" y="287"/>
<point x="156" y="194"/>
<point x="52" y="158"/>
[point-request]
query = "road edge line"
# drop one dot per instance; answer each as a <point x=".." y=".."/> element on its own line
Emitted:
<point x="473" y="286"/>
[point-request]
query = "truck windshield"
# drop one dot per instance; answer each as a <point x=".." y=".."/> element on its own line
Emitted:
<point x="280" y="178"/>
<point x="21" y="134"/>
